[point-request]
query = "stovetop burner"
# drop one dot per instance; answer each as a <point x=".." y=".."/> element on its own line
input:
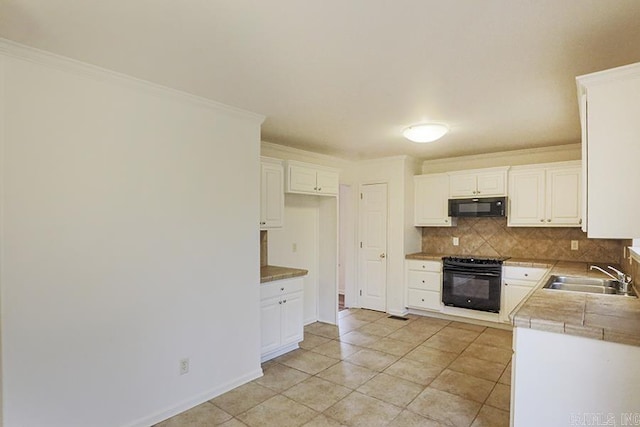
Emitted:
<point x="475" y="259"/>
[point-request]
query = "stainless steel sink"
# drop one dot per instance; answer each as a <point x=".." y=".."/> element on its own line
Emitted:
<point x="587" y="284"/>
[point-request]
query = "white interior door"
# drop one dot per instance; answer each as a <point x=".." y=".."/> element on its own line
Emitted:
<point x="373" y="247"/>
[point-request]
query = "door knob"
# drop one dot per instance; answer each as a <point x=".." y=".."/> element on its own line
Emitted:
<point x="382" y="255"/>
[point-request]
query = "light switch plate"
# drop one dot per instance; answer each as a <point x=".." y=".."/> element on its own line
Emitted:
<point x="574" y="245"/>
<point x="456" y="241"/>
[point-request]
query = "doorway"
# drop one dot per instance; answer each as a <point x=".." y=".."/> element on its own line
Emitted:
<point x="372" y="262"/>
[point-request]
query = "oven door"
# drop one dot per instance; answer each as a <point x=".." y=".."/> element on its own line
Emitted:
<point x="477" y="290"/>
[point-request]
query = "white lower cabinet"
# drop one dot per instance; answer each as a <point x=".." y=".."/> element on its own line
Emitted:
<point x="423" y="281"/>
<point x="517" y="283"/>
<point x="281" y="311"/>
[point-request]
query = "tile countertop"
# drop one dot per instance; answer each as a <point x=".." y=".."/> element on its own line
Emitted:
<point x="269" y="273"/>
<point x="603" y="317"/>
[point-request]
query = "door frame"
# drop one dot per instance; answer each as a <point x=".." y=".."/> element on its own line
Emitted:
<point x="359" y="236"/>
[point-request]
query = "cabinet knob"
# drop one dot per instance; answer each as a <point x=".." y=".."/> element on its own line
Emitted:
<point x="424" y="266"/>
<point x="282" y="289"/>
<point x="542" y="220"/>
<point x="580" y="222"/>
<point x="526" y="274"/>
<point x="423" y="281"/>
<point x="319" y="188"/>
<point x="548" y="220"/>
<point x="284" y="302"/>
<point x="315" y="188"/>
<point x="279" y="302"/>
<point x="478" y="192"/>
<point x="446" y="220"/>
<point x="422" y="299"/>
<point x="506" y="284"/>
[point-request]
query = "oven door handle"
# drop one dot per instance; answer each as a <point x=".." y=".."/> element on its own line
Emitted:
<point x="472" y="273"/>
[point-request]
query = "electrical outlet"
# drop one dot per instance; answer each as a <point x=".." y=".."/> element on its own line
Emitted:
<point x="184" y="366"/>
<point x="574" y="245"/>
<point x="456" y="241"/>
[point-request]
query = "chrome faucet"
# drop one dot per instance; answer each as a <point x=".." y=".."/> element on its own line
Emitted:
<point x="622" y="278"/>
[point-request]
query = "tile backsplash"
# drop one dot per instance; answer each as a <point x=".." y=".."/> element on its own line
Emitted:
<point x="492" y="237"/>
<point x="264" y="258"/>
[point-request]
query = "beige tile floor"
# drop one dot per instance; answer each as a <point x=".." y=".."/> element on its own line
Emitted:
<point x="374" y="371"/>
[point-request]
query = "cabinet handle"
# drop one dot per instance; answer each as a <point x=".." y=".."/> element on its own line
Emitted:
<point x="478" y="192"/>
<point x="446" y="220"/>
<point x="580" y="222"/>
<point x="548" y="220"/>
<point x="319" y="188"/>
<point x="315" y="188"/>
<point x="279" y="302"/>
<point x="506" y="284"/>
<point x="284" y="302"/>
<point x="282" y="289"/>
<point x="542" y="220"/>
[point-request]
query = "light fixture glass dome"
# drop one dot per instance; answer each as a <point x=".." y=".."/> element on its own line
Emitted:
<point x="427" y="132"/>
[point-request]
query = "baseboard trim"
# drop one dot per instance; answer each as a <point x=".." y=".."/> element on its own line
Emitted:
<point x="195" y="401"/>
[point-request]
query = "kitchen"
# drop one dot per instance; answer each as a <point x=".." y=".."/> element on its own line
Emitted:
<point x="129" y="274"/>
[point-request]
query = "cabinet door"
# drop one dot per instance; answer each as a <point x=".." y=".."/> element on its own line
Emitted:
<point x="526" y="197"/>
<point x="491" y="184"/>
<point x="463" y="185"/>
<point x="270" y="324"/>
<point x="302" y="179"/>
<point x="327" y="182"/>
<point x="431" y="200"/>
<point x="271" y="195"/>
<point x="292" y="320"/>
<point x="564" y="204"/>
<point x="513" y="295"/>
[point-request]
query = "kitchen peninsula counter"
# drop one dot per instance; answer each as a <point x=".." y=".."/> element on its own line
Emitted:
<point x="269" y="273"/>
<point x="611" y="318"/>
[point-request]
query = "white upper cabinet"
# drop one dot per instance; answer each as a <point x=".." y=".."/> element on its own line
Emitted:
<point x="271" y="193"/>
<point x="431" y="200"/>
<point x="478" y="183"/>
<point x="304" y="178"/>
<point x="610" y="112"/>
<point x="546" y="195"/>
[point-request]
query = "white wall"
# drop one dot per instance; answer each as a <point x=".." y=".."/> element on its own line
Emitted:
<point x="129" y="241"/>
<point x="301" y="228"/>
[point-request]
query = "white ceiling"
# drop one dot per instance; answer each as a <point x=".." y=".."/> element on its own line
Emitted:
<point x="344" y="77"/>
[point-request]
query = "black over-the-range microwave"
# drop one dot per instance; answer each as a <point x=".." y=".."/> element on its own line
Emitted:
<point x="478" y="207"/>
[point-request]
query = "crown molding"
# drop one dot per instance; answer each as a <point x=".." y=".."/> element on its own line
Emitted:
<point x="27" y="53"/>
<point x="504" y="154"/>
<point x="291" y="153"/>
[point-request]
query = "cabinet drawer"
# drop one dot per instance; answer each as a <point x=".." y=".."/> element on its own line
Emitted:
<point x="281" y="287"/>
<point x="419" y="265"/>
<point x="425" y="280"/>
<point x="428" y="300"/>
<point x="524" y="273"/>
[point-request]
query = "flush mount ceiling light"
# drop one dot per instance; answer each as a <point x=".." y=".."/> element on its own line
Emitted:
<point x="426" y="132"/>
